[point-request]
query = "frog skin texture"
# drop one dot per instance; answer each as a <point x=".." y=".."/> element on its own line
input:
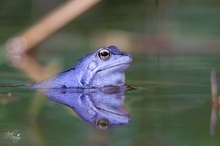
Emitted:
<point x="101" y="107"/>
<point x="105" y="67"/>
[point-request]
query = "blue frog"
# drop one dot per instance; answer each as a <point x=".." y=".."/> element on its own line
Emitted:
<point x="101" y="107"/>
<point x="105" y="67"/>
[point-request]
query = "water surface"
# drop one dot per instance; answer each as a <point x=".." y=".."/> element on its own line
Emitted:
<point x="172" y="106"/>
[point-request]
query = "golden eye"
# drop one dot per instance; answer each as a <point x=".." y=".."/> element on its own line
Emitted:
<point x="102" y="124"/>
<point x="104" y="54"/>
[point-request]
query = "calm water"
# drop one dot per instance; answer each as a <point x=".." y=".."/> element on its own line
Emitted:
<point x="172" y="106"/>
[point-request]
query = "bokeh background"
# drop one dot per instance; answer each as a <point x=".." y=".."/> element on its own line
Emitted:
<point x="145" y="25"/>
<point x="174" y="44"/>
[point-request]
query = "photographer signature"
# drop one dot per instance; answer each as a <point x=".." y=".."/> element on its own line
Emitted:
<point x="14" y="135"/>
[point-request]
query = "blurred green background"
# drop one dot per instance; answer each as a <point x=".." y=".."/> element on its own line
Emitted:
<point x="170" y="26"/>
<point x="174" y="45"/>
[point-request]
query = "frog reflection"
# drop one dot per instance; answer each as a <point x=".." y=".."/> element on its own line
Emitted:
<point x="104" y="107"/>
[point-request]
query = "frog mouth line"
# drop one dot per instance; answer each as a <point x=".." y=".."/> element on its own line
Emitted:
<point x="122" y="64"/>
<point x="115" y="113"/>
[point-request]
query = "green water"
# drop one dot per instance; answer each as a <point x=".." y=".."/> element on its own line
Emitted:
<point x="172" y="106"/>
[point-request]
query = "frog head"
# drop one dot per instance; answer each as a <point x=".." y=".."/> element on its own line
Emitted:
<point x="105" y="67"/>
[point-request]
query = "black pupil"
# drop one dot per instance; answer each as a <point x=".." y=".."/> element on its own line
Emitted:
<point x="103" y="124"/>
<point x="104" y="53"/>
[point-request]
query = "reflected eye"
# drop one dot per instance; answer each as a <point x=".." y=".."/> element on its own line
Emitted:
<point x="104" y="54"/>
<point x="102" y="124"/>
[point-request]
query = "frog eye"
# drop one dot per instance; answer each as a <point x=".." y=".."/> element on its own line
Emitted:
<point x="102" y="124"/>
<point x="104" y="54"/>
